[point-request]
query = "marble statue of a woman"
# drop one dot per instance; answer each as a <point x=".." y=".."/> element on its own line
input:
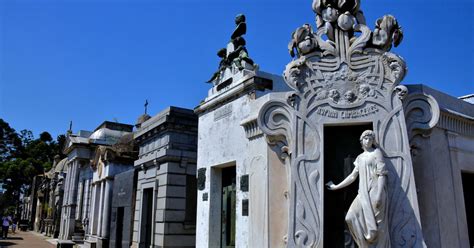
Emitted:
<point x="366" y="217"/>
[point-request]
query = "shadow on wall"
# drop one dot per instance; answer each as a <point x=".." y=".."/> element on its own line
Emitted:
<point x="405" y="230"/>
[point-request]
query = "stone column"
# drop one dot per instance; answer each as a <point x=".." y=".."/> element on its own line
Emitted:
<point x="51" y="201"/>
<point x="37" y="218"/>
<point x="101" y="207"/>
<point x="88" y="192"/>
<point x="66" y="184"/>
<point x="93" y="216"/>
<point x="106" y="209"/>
<point x="79" y="201"/>
<point x="75" y="192"/>
<point x="72" y="177"/>
<point x="68" y="200"/>
<point x="72" y="200"/>
<point x="85" y="208"/>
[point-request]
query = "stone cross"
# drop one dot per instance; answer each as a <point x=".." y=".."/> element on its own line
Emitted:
<point x="146" y="106"/>
<point x="70" y="128"/>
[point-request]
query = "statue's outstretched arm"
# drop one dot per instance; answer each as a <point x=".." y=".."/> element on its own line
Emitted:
<point x="346" y="182"/>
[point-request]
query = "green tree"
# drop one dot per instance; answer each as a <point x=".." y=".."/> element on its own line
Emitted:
<point x="10" y="142"/>
<point x="21" y="158"/>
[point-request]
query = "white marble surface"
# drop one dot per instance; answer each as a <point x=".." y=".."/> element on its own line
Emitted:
<point x="222" y="142"/>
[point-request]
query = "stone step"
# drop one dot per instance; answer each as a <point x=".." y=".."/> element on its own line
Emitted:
<point x="78" y="239"/>
<point x="65" y="244"/>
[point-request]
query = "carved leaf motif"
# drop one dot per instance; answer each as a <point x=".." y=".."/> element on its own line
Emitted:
<point x="359" y="44"/>
<point x="316" y="6"/>
<point x="306" y="187"/>
<point x="328" y="47"/>
<point x="396" y="68"/>
<point x="301" y="235"/>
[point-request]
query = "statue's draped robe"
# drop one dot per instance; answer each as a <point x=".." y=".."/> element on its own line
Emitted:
<point x="363" y="218"/>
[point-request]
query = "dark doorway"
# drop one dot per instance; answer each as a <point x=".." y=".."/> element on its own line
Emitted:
<point x="341" y="147"/>
<point x="468" y="189"/>
<point x="191" y="200"/>
<point x="119" y="228"/>
<point x="228" y="207"/>
<point x="147" y="218"/>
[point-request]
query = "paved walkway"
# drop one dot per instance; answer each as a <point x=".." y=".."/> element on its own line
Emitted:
<point x="26" y="239"/>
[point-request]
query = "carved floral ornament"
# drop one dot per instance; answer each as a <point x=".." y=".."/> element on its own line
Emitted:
<point x="345" y="63"/>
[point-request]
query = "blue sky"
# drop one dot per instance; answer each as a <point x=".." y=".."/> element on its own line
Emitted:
<point x="90" y="61"/>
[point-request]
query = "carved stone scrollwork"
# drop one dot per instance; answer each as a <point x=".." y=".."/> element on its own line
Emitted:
<point x="421" y="113"/>
<point x="279" y="120"/>
<point x="275" y="121"/>
<point x="343" y="73"/>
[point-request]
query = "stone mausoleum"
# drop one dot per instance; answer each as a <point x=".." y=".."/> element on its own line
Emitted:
<point x="93" y="159"/>
<point x="337" y="153"/>
<point x="114" y="154"/>
<point x="233" y="176"/>
<point x="165" y="206"/>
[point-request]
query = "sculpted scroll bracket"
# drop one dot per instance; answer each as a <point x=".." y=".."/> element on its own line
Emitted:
<point x="421" y="113"/>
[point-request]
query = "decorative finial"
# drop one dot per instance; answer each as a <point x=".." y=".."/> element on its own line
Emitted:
<point x="339" y="21"/>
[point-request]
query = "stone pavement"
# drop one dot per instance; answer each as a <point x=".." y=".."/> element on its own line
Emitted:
<point x="27" y="239"/>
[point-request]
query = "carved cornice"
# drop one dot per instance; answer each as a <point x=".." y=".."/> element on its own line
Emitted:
<point x="172" y="118"/>
<point x="251" y="128"/>
<point x="456" y="122"/>
<point x="249" y="83"/>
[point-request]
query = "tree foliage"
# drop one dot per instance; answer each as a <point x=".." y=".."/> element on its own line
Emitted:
<point x="10" y="142"/>
<point x="21" y="158"/>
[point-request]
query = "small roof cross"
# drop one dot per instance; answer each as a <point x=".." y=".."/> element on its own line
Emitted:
<point x="146" y="106"/>
<point x="70" y="128"/>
